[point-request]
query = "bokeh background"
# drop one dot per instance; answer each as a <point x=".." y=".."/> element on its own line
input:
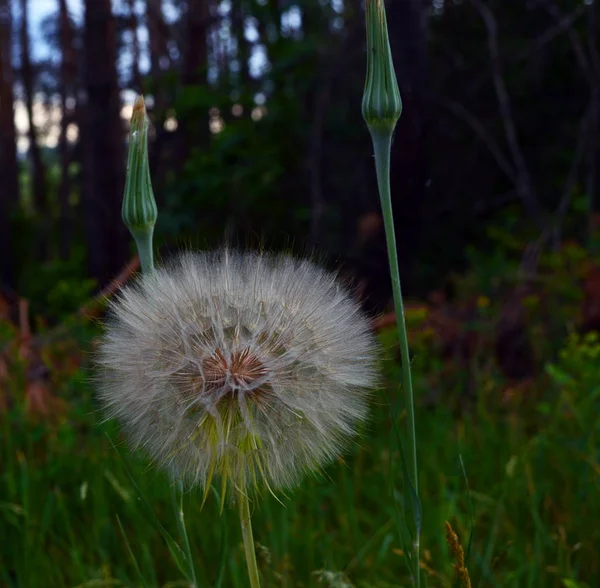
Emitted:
<point x="257" y="140"/>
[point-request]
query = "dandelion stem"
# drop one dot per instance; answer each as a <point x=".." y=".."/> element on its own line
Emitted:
<point x="246" y="522"/>
<point x="382" y="141"/>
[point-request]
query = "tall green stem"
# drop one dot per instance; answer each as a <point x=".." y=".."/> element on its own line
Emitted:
<point x="246" y="522"/>
<point x="382" y="141"/>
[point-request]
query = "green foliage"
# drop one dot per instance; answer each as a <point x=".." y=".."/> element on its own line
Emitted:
<point x="239" y="182"/>
<point x="57" y="288"/>
<point x="578" y="368"/>
<point x="76" y="511"/>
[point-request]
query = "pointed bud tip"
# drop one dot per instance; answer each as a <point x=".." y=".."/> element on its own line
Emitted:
<point x="138" y="114"/>
<point x="139" y="104"/>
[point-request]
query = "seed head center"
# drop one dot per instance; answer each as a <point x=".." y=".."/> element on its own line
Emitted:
<point x="239" y="370"/>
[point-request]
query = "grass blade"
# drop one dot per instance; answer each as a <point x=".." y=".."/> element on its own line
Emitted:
<point x="180" y="518"/>
<point x="176" y="552"/>
<point x="138" y="571"/>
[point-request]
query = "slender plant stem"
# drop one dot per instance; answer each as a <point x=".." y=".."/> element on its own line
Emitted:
<point x="246" y="522"/>
<point x="382" y="141"/>
<point x="143" y="241"/>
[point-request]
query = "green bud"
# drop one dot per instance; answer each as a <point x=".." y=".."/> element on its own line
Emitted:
<point x="139" y="210"/>
<point x="381" y="104"/>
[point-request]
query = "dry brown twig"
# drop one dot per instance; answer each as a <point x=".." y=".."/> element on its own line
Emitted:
<point x="92" y="308"/>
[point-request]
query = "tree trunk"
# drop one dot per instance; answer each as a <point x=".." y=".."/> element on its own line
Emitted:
<point x="593" y="150"/>
<point x="157" y="36"/>
<point x="196" y="55"/>
<point x="154" y="84"/>
<point x="409" y="161"/>
<point x="38" y="170"/>
<point x="103" y="145"/>
<point x="136" y="78"/>
<point x="68" y="76"/>
<point x="195" y="130"/>
<point x="238" y="22"/>
<point x="9" y="194"/>
<point x="268" y="23"/>
<point x="316" y="99"/>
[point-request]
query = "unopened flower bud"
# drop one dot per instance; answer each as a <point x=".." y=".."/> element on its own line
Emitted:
<point x="139" y="210"/>
<point x="381" y="104"/>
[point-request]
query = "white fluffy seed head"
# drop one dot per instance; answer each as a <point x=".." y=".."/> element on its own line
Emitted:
<point x="252" y="368"/>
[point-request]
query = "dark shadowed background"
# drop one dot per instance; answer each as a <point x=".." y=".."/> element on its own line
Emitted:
<point x="258" y="137"/>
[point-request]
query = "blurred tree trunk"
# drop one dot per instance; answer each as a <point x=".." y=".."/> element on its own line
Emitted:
<point x="136" y="78"/>
<point x="410" y="171"/>
<point x="196" y="54"/>
<point x="268" y="23"/>
<point x="195" y="64"/>
<point x="157" y="36"/>
<point x="9" y="195"/>
<point x="68" y="76"/>
<point x="593" y="155"/>
<point x="40" y="197"/>
<point x="316" y="97"/>
<point x="274" y="7"/>
<point x="242" y="79"/>
<point x="156" y="86"/>
<point x="103" y="145"/>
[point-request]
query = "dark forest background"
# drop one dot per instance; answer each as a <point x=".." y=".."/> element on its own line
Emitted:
<point x="258" y="138"/>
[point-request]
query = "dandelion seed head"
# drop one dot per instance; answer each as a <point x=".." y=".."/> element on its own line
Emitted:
<point x="255" y="369"/>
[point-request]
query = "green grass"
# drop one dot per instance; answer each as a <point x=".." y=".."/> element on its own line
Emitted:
<point x="71" y="516"/>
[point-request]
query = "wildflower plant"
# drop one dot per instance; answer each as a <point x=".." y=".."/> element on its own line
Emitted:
<point x="245" y="369"/>
<point x="381" y="110"/>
